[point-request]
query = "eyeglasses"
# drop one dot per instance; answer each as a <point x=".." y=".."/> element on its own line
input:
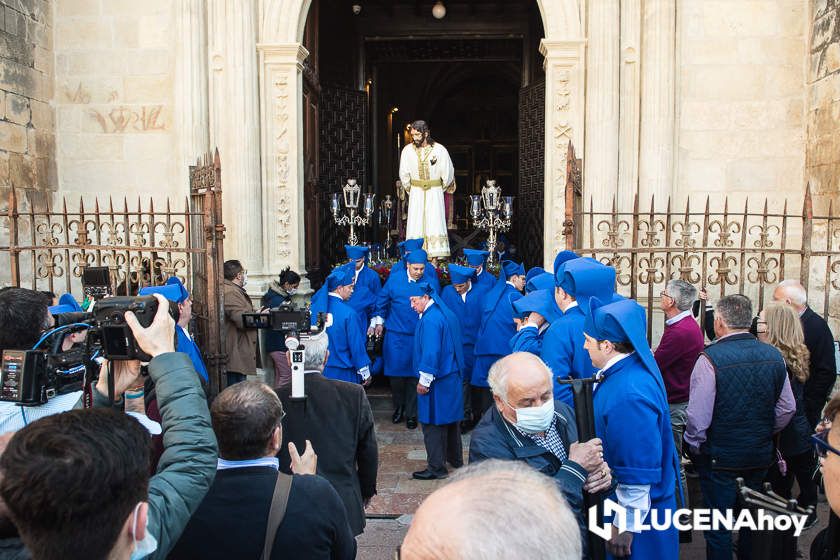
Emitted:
<point x="666" y="294"/>
<point x="822" y="446"/>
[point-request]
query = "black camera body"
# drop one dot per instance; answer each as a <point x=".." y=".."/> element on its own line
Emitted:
<point x="113" y="333"/>
<point x="32" y="377"/>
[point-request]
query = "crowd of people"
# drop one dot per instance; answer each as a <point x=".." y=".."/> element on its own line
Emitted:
<point x="257" y="472"/>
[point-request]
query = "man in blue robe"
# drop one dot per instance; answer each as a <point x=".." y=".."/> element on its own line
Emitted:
<point x="466" y="300"/>
<point x="429" y="273"/>
<point x="175" y="291"/>
<point x="538" y="309"/>
<point x="438" y="360"/>
<point x="497" y="328"/>
<point x="532" y="273"/>
<point x="561" y="347"/>
<point x="347" y="359"/>
<point x="477" y="259"/>
<point x="633" y="421"/>
<point x="366" y="283"/>
<point x="394" y="317"/>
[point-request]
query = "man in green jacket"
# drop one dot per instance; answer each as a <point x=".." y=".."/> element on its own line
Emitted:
<point x="77" y="485"/>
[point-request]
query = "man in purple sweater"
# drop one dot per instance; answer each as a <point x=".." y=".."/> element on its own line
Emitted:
<point x="677" y="353"/>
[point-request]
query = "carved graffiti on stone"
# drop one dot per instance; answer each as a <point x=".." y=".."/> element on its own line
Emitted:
<point x="78" y="95"/>
<point x="130" y="119"/>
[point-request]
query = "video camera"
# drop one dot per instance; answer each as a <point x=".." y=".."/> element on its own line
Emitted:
<point x="32" y="377"/>
<point x="96" y="282"/>
<point x="295" y="324"/>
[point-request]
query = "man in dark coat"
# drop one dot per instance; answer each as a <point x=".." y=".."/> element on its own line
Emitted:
<point x="337" y="419"/>
<point x="820" y="343"/>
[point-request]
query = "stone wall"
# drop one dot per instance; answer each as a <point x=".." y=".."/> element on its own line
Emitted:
<point x="27" y="123"/>
<point x="822" y="159"/>
<point x="114" y="98"/>
<point x="740" y="99"/>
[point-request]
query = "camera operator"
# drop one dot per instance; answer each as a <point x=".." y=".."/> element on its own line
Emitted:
<point x="68" y="304"/>
<point x="94" y="498"/>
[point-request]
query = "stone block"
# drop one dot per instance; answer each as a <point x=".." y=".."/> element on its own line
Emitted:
<point x="148" y="146"/>
<point x="703" y="175"/>
<point x="724" y="82"/>
<point x="127" y="32"/>
<point x="14" y="23"/>
<point x="822" y="30"/>
<point x="17" y="109"/>
<point x="4" y="169"/>
<point x="44" y="60"/>
<point x="134" y="8"/>
<point x="43" y="115"/>
<point x="782" y="81"/>
<point x="12" y="137"/>
<point x="22" y="171"/>
<point x="68" y="8"/>
<point x="831" y="63"/>
<point x="92" y="62"/>
<point x="761" y="174"/>
<point x="705" y="51"/>
<point x="148" y="89"/>
<point x="14" y="48"/>
<point x="80" y="147"/>
<point x="147" y="61"/>
<point x="69" y="118"/>
<point x="741" y="19"/>
<point x="83" y="33"/>
<point x="154" y="32"/>
<point x="702" y="115"/>
<point x="758" y="115"/>
<point x="44" y="144"/>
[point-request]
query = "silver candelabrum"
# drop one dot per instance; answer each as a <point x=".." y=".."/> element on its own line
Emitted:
<point x="352" y="194"/>
<point x="491" y="212"/>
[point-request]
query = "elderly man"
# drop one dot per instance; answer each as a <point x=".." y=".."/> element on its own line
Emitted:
<point x="527" y="424"/>
<point x="677" y="353"/>
<point x="740" y="397"/>
<point x="494" y="511"/>
<point x="632" y="418"/>
<point x="477" y="259"/>
<point x="337" y="419"/>
<point x="820" y="343"/>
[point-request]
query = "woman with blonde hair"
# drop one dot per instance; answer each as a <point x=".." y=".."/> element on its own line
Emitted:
<point x="779" y="325"/>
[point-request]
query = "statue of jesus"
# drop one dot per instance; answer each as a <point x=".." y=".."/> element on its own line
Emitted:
<point x="426" y="171"/>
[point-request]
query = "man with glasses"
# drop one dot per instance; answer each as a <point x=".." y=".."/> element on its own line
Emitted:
<point x="681" y="344"/>
<point x="740" y="396"/>
<point x="240" y="343"/>
<point x="249" y="492"/>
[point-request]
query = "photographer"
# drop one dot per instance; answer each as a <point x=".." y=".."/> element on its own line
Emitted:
<point x="94" y="498"/>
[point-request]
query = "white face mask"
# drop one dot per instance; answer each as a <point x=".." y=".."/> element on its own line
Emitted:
<point x="149" y="543"/>
<point x="535" y="419"/>
<point x="291" y="291"/>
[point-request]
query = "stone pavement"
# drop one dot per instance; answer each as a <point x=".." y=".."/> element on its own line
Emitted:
<point x="401" y="452"/>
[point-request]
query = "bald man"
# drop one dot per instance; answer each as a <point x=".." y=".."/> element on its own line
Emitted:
<point x="527" y="424"/>
<point x="494" y="511"/>
<point x="820" y="343"/>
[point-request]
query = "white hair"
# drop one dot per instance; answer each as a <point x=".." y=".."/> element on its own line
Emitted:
<point x="497" y="377"/>
<point x="795" y="291"/>
<point x="507" y="506"/>
<point x="316" y="351"/>
<point x="683" y="293"/>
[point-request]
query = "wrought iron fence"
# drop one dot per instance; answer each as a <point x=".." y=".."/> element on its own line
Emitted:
<point x="141" y="244"/>
<point x="721" y="249"/>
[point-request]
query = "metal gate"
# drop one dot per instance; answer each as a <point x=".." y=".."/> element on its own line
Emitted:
<point x="141" y="244"/>
<point x="530" y="211"/>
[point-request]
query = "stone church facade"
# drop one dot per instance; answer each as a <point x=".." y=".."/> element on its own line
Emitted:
<point x="664" y="98"/>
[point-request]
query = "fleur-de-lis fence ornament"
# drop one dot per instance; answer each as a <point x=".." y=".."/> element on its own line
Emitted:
<point x="168" y="266"/>
<point x="685" y="264"/>
<point x="651" y="270"/>
<point x="116" y="262"/>
<point x="49" y="233"/>
<point x="614" y="229"/>
<point x="765" y="232"/>
<point x="725" y="230"/>
<point x="80" y="261"/>
<point x="83" y="229"/>
<point x="140" y="269"/>
<point x="651" y="231"/>
<point x="49" y="265"/>
<point x="113" y="232"/>
<point x="139" y="230"/>
<point x="169" y="230"/>
<point x="761" y="269"/>
<point x="686" y="231"/>
<point x="723" y="268"/>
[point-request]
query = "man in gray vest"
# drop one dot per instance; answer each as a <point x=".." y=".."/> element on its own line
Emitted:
<point x="740" y="396"/>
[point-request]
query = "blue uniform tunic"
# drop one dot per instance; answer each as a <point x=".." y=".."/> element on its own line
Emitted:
<point x="347" y="343"/>
<point x="563" y="352"/>
<point x="633" y="420"/>
<point x="429" y="274"/>
<point x="497" y="328"/>
<point x="188" y="346"/>
<point x="469" y="314"/>
<point x="365" y="291"/>
<point x="485" y="280"/>
<point x="393" y="305"/>
<point x="434" y="352"/>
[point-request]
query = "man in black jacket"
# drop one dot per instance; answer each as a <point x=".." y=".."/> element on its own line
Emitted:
<point x="337" y="419"/>
<point x="820" y="343"/>
<point x="231" y="521"/>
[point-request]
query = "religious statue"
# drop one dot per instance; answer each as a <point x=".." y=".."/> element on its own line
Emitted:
<point x="426" y="171"/>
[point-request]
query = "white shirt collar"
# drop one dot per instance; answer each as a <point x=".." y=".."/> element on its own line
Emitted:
<point x="356" y="276"/>
<point x="571" y="306"/>
<point x="611" y="362"/>
<point x="464" y="295"/>
<point x="335" y="295"/>
<point x="509" y="283"/>
<point x="407" y="273"/>
<point x="224" y="464"/>
<point x="678" y="318"/>
<point x="430" y="303"/>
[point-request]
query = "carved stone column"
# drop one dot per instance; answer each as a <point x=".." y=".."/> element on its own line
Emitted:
<point x="656" y="150"/>
<point x="281" y="147"/>
<point x="628" y="129"/>
<point x="191" y="111"/>
<point x="235" y="126"/>
<point x="564" y="114"/>
<point x="601" y="150"/>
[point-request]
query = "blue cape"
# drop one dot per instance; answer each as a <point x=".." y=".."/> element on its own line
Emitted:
<point x="535" y="271"/>
<point x="622" y="321"/>
<point x="454" y="324"/>
<point x="544" y="281"/>
<point x="508" y="269"/>
<point x="170" y="292"/>
<point x="476" y="257"/>
<point x="541" y="301"/>
<point x="562" y="257"/>
<point x="355" y="252"/>
<point x="459" y="274"/>
<point x="340" y="276"/>
<point x="583" y="278"/>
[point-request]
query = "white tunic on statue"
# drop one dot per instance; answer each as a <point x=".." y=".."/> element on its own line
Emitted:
<point x="425" y="173"/>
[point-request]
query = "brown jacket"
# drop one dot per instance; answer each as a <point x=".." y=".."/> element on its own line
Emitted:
<point x="240" y="344"/>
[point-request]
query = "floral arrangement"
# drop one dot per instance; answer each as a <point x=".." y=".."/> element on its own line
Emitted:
<point x="383" y="269"/>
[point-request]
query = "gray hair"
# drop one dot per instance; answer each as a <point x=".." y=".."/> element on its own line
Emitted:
<point x="497" y="377"/>
<point x="316" y="351"/>
<point x="795" y="291"/>
<point x="683" y="293"/>
<point x="491" y="498"/>
<point x="735" y="311"/>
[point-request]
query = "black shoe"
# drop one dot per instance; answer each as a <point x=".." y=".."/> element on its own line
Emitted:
<point x="411" y="423"/>
<point x="428" y="475"/>
<point x="457" y="465"/>
<point x="398" y="416"/>
<point x="811" y="522"/>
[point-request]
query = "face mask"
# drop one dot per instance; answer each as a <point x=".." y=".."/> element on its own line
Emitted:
<point x="149" y="543"/>
<point x="291" y="291"/>
<point x="535" y="419"/>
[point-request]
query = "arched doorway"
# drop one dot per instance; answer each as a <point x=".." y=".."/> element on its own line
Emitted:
<point x="282" y="69"/>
